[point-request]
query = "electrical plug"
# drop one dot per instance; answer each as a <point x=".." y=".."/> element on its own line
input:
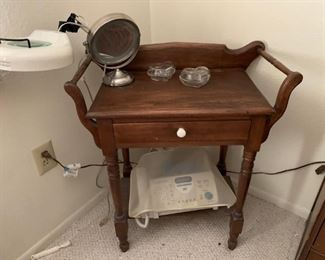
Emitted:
<point x="320" y="169"/>
<point x="71" y="170"/>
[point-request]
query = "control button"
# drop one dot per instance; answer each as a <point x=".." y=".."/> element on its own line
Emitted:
<point x="208" y="195"/>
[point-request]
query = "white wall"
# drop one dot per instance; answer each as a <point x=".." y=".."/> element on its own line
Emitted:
<point x="294" y="33"/>
<point x="33" y="109"/>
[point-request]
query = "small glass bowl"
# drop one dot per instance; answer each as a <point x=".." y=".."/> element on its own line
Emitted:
<point x="195" y="77"/>
<point x="161" y="71"/>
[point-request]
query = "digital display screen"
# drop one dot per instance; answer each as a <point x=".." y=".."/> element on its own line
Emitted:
<point x="183" y="179"/>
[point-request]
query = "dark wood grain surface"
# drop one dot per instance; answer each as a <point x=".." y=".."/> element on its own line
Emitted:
<point x="229" y="92"/>
<point x="186" y="54"/>
<point x="312" y="245"/>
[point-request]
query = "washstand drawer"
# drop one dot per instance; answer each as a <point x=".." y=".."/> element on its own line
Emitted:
<point x="169" y="133"/>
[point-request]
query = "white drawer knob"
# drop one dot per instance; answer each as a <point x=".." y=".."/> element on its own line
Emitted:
<point x="181" y="133"/>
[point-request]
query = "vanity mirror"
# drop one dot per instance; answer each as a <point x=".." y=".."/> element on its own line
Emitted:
<point x="113" y="42"/>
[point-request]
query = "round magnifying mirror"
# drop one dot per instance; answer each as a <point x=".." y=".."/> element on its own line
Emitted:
<point x="113" y="42"/>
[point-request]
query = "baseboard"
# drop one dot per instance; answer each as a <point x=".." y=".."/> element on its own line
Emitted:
<point x="278" y="201"/>
<point x="41" y="244"/>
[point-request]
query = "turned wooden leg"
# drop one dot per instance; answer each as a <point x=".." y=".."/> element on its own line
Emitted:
<point x="222" y="160"/>
<point x="126" y="165"/>
<point x="120" y="217"/>
<point x="237" y="218"/>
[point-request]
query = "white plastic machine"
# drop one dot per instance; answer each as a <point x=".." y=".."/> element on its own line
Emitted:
<point x="41" y="50"/>
<point x="174" y="181"/>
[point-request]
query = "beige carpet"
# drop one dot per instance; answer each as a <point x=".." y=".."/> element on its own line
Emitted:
<point x="269" y="233"/>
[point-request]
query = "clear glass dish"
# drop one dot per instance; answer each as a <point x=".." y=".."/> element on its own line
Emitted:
<point x="195" y="77"/>
<point x="161" y="71"/>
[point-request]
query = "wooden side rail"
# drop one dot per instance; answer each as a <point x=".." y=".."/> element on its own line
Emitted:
<point x="292" y="80"/>
<point x="75" y="93"/>
<point x="187" y="54"/>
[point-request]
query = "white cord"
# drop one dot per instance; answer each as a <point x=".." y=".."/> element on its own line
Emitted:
<point x="86" y="84"/>
<point x="83" y="78"/>
<point x="81" y="60"/>
<point x="51" y="250"/>
<point x="105" y="219"/>
<point x="83" y="21"/>
<point x="104" y="70"/>
<point x="143" y="225"/>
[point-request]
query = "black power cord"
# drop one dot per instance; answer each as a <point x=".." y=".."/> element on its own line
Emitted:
<point x="47" y="155"/>
<point x="319" y="170"/>
<point x="91" y="165"/>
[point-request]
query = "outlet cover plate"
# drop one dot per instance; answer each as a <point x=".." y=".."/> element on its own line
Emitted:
<point x="44" y="165"/>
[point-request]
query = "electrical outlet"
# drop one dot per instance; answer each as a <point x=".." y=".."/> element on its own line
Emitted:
<point x="44" y="164"/>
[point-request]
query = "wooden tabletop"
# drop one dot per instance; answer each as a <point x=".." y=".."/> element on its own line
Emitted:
<point x="229" y="92"/>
